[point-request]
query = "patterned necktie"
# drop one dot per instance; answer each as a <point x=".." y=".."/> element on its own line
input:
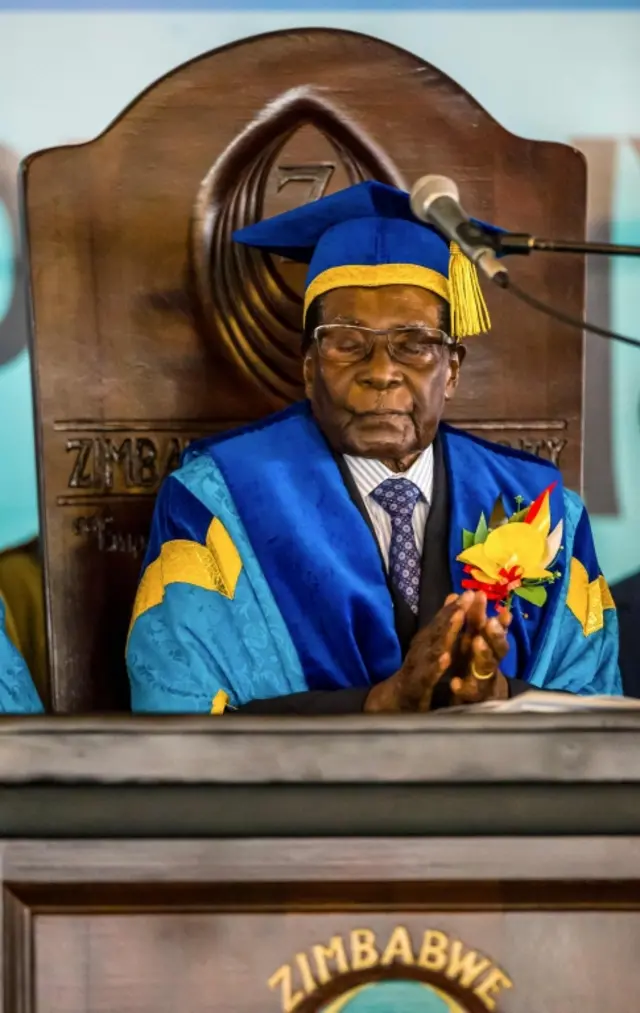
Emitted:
<point x="398" y="496"/>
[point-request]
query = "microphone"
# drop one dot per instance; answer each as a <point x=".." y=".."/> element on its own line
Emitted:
<point x="435" y="200"/>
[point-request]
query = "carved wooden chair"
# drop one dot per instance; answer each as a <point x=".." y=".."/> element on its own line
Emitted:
<point x="151" y="328"/>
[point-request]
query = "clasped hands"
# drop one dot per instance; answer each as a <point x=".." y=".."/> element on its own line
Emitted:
<point x="460" y="641"/>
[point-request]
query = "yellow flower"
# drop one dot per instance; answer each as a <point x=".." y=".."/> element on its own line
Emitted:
<point x="515" y="552"/>
<point x="518" y="545"/>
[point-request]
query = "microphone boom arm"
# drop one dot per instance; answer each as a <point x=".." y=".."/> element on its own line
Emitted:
<point x="506" y="243"/>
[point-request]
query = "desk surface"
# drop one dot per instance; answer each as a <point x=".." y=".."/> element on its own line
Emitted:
<point x="355" y="776"/>
<point x="458" y="749"/>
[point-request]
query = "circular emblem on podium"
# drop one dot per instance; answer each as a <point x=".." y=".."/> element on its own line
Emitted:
<point x="368" y="971"/>
<point x="393" y="989"/>
<point x="393" y="997"/>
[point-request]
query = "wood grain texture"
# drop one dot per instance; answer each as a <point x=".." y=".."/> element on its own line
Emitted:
<point x="363" y="860"/>
<point x="150" y="329"/>
<point x="450" y="750"/>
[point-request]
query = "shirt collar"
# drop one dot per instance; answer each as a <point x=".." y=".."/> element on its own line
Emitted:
<point x="368" y="473"/>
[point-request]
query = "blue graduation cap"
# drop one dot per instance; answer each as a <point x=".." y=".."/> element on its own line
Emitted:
<point x="367" y="235"/>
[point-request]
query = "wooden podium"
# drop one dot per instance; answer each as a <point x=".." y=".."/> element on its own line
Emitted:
<point x="458" y="863"/>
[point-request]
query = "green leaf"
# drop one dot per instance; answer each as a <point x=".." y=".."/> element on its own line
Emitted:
<point x="468" y="539"/>
<point x="537" y="594"/>
<point x="481" y="531"/>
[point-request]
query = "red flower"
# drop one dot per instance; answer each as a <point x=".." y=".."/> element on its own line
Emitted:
<point x="511" y="579"/>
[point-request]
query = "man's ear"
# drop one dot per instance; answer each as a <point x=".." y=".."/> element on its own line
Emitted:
<point x="309" y="373"/>
<point x="456" y="358"/>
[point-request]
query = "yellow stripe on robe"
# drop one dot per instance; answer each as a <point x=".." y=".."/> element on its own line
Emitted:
<point x="219" y="702"/>
<point x="588" y="600"/>
<point x="215" y="566"/>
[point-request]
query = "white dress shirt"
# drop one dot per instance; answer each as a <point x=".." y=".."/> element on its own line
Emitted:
<point x="368" y="474"/>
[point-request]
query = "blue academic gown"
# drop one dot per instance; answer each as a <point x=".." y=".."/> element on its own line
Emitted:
<point x="262" y="578"/>
<point x="18" y="694"/>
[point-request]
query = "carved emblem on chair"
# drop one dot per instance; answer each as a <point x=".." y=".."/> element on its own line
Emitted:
<point x="299" y="148"/>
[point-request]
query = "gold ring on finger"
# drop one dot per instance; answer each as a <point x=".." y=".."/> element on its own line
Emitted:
<point x="478" y="675"/>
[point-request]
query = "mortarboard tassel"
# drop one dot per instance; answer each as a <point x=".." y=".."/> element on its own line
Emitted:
<point x="469" y="313"/>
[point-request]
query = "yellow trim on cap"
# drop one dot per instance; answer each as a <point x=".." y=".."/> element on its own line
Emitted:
<point x="375" y="275"/>
<point x="215" y="566"/>
<point x="588" y="600"/>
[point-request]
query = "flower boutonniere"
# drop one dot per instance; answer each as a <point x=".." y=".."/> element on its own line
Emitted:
<point x="512" y="555"/>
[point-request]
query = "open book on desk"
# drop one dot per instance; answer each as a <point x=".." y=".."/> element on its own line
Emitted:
<point x="537" y="702"/>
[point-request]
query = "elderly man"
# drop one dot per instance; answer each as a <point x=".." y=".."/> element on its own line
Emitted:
<point x="352" y="552"/>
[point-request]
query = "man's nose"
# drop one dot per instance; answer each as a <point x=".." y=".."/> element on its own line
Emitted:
<point x="379" y="370"/>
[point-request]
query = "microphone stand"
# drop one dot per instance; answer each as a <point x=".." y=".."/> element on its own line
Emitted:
<point x="520" y="243"/>
<point x="507" y="243"/>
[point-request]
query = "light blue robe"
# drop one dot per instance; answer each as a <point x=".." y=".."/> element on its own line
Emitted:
<point x="18" y="694"/>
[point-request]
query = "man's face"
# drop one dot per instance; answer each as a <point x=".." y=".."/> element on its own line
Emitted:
<point x="379" y="407"/>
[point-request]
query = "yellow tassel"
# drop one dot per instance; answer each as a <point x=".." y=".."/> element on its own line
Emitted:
<point x="469" y="313"/>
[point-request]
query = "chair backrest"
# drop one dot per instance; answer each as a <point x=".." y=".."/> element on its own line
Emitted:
<point x="151" y="328"/>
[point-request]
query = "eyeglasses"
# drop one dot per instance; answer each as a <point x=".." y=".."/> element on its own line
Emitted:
<point x="414" y="346"/>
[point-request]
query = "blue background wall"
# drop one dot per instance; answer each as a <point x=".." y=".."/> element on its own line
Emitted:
<point x="67" y="69"/>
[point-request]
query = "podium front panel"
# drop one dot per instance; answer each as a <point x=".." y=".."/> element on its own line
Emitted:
<point x="464" y="925"/>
